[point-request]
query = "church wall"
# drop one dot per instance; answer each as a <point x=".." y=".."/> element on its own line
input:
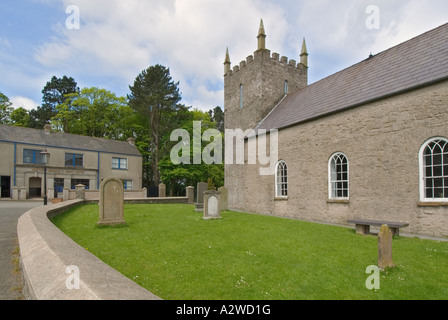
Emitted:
<point x="382" y="142"/>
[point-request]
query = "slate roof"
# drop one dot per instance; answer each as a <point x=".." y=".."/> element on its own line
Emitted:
<point x="65" y="140"/>
<point x="414" y="63"/>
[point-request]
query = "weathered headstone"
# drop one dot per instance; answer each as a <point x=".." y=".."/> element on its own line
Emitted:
<point x="212" y="208"/>
<point x="385" y="248"/>
<point x="190" y="194"/>
<point x="162" y="190"/>
<point x="202" y="187"/>
<point x="80" y="191"/>
<point x="224" y="203"/>
<point x="111" y="202"/>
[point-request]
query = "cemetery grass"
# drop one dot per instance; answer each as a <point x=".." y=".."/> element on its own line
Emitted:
<point x="171" y="251"/>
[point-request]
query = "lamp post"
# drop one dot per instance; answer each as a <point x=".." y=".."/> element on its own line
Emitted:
<point x="45" y="160"/>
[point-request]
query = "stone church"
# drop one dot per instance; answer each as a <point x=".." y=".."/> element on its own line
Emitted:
<point x="368" y="142"/>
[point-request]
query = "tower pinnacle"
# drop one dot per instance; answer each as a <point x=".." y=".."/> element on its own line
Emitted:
<point x="304" y="54"/>
<point x="227" y="62"/>
<point x="261" y="36"/>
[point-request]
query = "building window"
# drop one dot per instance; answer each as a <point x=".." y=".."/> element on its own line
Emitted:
<point x="127" y="184"/>
<point x="74" y="160"/>
<point x="241" y="96"/>
<point x="32" y="156"/>
<point x="286" y="86"/>
<point x="281" y="180"/>
<point x="120" y="163"/>
<point x="338" y="171"/>
<point x="434" y="170"/>
<point x="75" y="182"/>
<point x="59" y="185"/>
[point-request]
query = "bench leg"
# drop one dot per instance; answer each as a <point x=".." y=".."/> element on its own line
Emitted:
<point x="362" y="229"/>
<point x="395" y="231"/>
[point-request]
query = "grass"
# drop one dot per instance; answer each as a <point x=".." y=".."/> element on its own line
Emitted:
<point x="174" y="253"/>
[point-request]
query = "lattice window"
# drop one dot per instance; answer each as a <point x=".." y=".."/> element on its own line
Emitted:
<point x="434" y="170"/>
<point x="338" y="177"/>
<point x="281" y="179"/>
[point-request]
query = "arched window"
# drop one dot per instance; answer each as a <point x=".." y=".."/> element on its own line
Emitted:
<point x="434" y="170"/>
<point x="281" y="179"/>
<point x="241" y="96"/>
<point x="338" y="173"/>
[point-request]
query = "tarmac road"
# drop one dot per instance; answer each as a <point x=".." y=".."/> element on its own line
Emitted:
<point x="10" y="211"/>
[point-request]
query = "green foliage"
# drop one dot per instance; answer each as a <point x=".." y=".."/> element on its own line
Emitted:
<point x="5" y="109"/>
<point x="20" y="117"/>
<point x="174" y="253"/>
<point x="179" y="176"/>
<point x="95" y="112"/>
<point x="54" y="94"/>
<point x="155" y="96"/>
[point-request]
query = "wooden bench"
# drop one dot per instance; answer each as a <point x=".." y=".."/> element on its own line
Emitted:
<point x="363" y="226"/>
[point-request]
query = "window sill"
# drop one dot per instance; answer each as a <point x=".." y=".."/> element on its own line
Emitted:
<point x="280" y="198"/>
<point x="345" y="201"/>
<point x="432" y="204"/>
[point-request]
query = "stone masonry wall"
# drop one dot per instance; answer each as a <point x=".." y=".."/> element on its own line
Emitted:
<point x="382" y="142"/>
<point x="262" y="78"/>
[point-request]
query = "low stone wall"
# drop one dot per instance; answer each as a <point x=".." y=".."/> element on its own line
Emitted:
<point x="48" y="257"/>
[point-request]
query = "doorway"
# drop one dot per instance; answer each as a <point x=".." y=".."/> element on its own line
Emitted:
<point x="35" y="187"/>
<point x="5" y="184"/>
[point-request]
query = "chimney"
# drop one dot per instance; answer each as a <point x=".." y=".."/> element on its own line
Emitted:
<point x="131" y="141"/>
<point x="47" y="129"/>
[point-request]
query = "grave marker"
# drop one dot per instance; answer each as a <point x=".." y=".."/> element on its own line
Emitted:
<point x="111" y="202"/>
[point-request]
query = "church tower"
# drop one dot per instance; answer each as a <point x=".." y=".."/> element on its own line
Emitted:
<point x="255" y="86"/>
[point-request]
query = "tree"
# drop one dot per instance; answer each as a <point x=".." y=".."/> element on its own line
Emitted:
<point x="155" y="97"/>
<point x="20" y="117"/>
<point x="217" y="115"/>
<point x="5" y="109"/>
<point x="178" y="176"/>
<point x="54" y="94"/>
<point x="95" y="112"/>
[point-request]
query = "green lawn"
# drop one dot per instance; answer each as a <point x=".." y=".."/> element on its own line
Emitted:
<point x="174" y="253"/>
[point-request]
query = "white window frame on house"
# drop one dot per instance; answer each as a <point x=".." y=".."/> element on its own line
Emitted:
<point x="435" y="171"/>
<point x="337" y="182"/>
<point x="122" y="163"/>
<point x="281" y="180"/>
<point x="127" y="185"/>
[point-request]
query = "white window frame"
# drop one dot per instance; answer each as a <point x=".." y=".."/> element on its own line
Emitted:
<point x="119" y="162"/>
<point x="332" y="194"/>
<point x="281" y="186"/>
<point x="422" y="170"/>
<point x="128" y="185"/>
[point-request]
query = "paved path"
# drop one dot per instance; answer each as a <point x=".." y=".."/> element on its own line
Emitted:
<point x="10" y="211"/>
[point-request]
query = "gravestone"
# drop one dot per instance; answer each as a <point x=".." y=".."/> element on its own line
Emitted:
<point x="111" y="202"/>
<point x="212" y="208"/>
<point x="224" y="201"/>
<point x="202" y="187"/>
<point x="80" y="191"/>
<point x="190" y="194"/>
<point x="162" y="190"/>
<point x="385" y="248"/>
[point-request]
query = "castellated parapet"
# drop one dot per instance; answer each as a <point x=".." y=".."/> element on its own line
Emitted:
<point x="256" y="85"/>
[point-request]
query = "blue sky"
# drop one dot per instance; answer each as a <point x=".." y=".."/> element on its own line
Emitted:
<point x="118" y="39"/>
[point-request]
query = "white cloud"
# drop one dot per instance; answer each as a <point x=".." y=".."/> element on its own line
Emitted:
<point x="118" y="39"/>
<point x="23" y="102"/>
